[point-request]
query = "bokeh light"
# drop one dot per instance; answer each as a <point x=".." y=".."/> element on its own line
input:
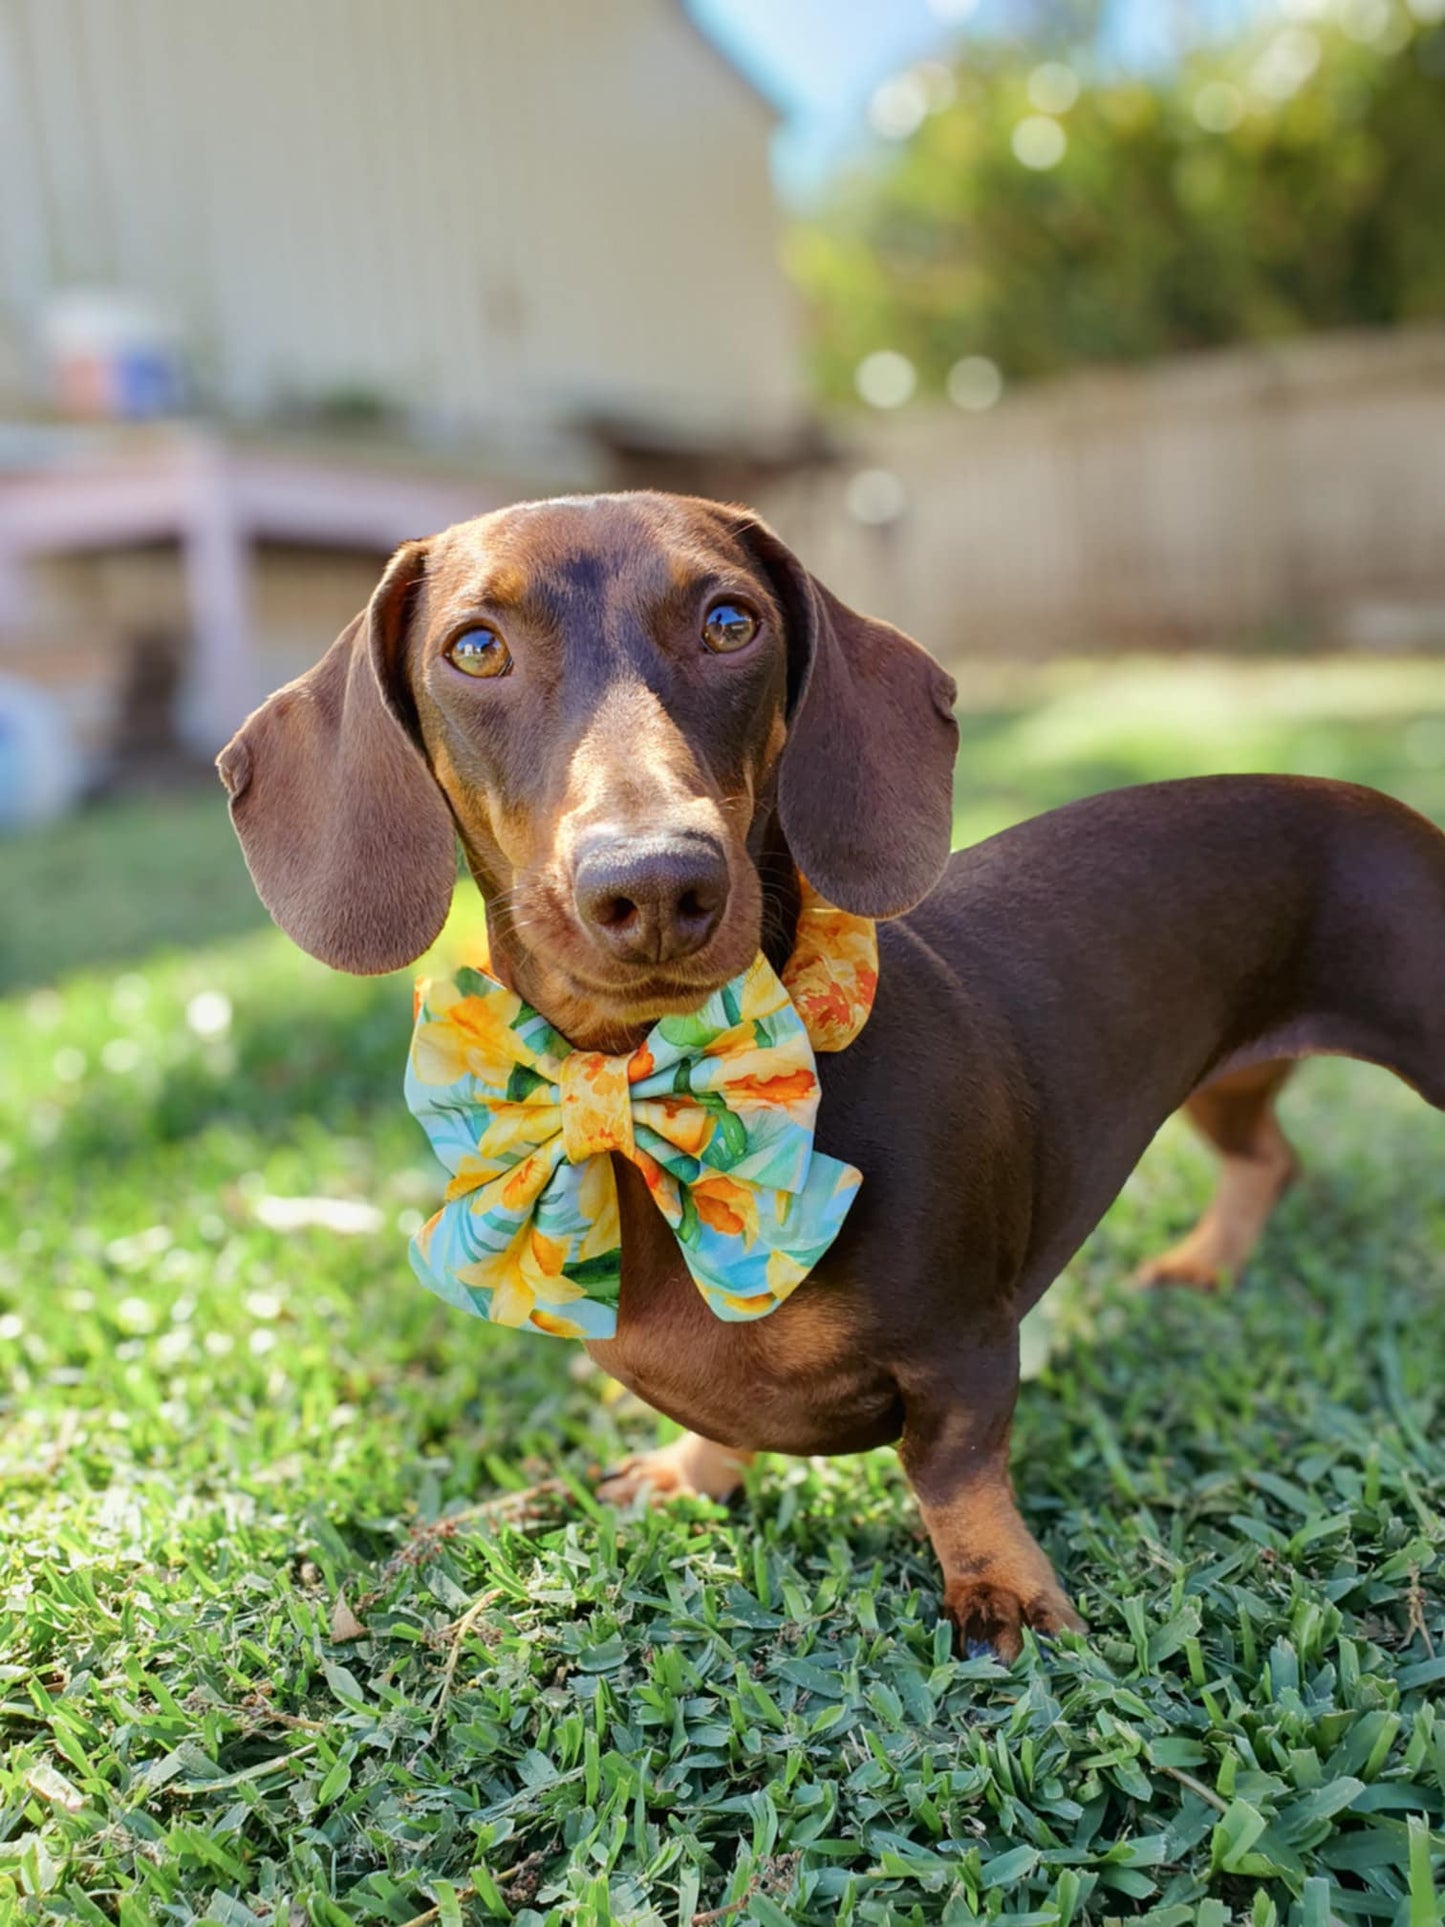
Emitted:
<point x="886" y="378"/>
<point x="898" y="107"/>
<point x="1053" y="87"/>
<point x="1368" y="20"/>
<point x="1286" y="63"/>
<point x="1039" y="142"/>
<point x="876" y="497"/>
<point x="974" y="384"/>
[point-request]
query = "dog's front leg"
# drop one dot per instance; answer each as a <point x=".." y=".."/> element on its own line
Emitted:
<point x="996" y="1579"/>
<point x="691" y="1466"/>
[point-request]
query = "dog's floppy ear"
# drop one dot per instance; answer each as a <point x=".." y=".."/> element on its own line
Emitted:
<point x="865" y="790"/>
<point x="347" y="836"/>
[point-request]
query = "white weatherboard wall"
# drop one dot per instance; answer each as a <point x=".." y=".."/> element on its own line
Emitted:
<point x="491" y="212"/>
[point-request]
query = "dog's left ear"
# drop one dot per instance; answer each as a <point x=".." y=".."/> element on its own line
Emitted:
<point x="865" y="789"/>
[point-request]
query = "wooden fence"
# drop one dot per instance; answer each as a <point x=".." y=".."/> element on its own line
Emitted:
<point x="1282" y="494"/>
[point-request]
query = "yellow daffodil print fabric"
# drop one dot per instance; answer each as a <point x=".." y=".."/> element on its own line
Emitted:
<point x="832" y="975"/>
<point x="715" y="1109"/>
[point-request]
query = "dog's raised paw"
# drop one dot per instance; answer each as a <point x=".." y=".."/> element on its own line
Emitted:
<point x="688" y="1468"/>
<point x="649" y="1473"/>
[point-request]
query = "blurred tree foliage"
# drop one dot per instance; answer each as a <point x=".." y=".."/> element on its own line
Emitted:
<point x="1294" y="182"/>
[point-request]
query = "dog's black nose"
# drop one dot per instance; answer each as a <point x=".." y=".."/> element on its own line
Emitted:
<point x="651" y="899"/>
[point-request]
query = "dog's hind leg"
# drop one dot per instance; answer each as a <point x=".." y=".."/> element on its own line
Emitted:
<point x="1235" y="1113"/>
<point x="1357" y="973"/>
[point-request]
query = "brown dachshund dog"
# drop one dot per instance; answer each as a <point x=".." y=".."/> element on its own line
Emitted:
<point x="642" y="716"/>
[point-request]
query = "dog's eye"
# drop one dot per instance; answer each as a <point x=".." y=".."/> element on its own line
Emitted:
<point x="727" y="626"/>
<point x="480" y="652"/>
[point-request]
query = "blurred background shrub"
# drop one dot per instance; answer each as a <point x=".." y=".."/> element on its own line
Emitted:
<point x="1042" y="215"/>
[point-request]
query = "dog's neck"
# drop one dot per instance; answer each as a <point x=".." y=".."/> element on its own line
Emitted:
<point x="517" y="965"/>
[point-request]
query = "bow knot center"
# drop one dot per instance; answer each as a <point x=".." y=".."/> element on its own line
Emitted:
<point x="596" y="1105"/>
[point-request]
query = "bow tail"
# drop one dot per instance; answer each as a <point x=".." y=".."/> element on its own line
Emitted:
<point x="541" y="1245"/>
<point x="748" y="1246"/>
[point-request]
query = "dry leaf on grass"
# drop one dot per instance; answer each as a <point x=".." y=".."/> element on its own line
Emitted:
<point x="344" y="1623"/>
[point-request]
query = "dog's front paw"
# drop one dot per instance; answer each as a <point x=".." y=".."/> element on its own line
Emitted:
<point x="691" y="1467"/>
<point x="992" y="1612"/>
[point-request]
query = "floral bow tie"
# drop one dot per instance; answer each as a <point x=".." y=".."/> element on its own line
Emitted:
<point x="715" y="1109"/>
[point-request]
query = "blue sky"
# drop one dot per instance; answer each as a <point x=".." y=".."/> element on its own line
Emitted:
<point x="819" y="60"/>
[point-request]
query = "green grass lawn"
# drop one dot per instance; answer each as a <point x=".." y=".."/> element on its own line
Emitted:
<point x="307" y="1614"/>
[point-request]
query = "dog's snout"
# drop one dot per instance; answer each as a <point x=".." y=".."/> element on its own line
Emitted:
<point x="651" y="899"/>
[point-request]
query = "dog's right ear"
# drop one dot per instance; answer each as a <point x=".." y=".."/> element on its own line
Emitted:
<point x="865" y="793"/>
<point x="347" y="836"/>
